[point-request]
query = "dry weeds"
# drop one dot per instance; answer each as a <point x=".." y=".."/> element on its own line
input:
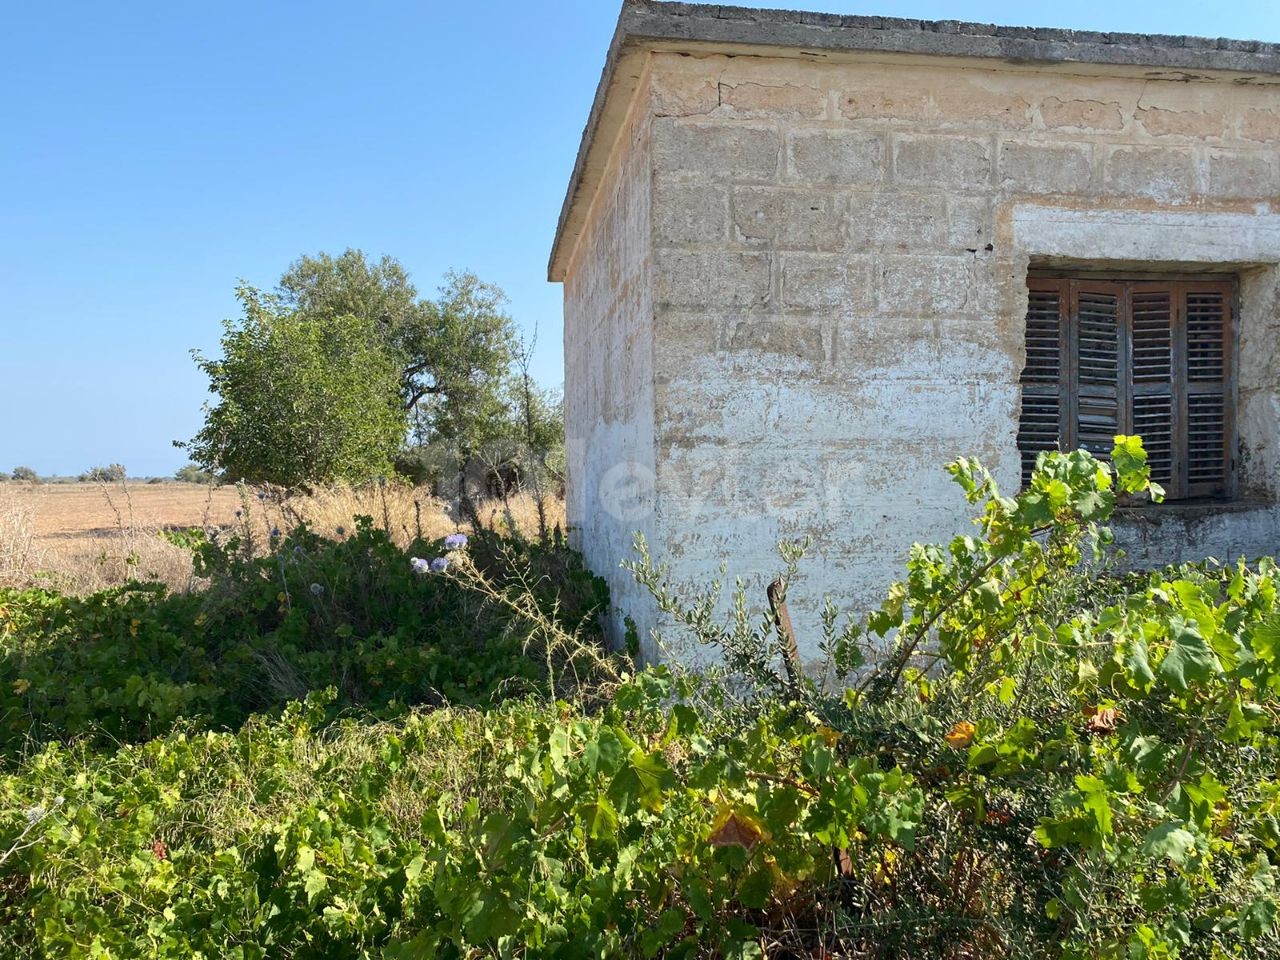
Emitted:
<point x="80" y="538"/>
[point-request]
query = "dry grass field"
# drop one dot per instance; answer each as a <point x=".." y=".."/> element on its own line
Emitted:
<point x="80" y="537"/>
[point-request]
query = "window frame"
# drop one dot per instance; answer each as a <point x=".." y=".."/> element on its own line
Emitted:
<point x="1068" y="284"/>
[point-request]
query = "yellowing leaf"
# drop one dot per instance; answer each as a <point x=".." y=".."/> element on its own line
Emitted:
<point x="961" y="735"/>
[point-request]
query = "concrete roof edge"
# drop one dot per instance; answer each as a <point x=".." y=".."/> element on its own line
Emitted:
<point x="644" y="21"/>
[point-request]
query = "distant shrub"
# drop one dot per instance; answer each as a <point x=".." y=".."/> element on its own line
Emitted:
<point x="112" y="473"/>
<point x="25" y="475"/>
<point x="4" y="476"/>
<point x="194" y="473"/>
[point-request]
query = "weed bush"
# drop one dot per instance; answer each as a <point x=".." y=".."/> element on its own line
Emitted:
<point x="126" y="664"/>
<point x="1035" y="763"/>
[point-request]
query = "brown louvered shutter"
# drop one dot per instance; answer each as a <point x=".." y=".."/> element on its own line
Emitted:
<point x="1096" y="325"/>
<point x="1040" y="427"/>
<point x="1151" y="365"/>
<point x="1206" y="336"/>
<point x="1151" y="358"/>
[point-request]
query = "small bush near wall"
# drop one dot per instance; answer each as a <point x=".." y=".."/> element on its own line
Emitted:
<point x="1040" y="761"/>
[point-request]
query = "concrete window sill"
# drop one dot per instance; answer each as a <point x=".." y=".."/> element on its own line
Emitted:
<point x="1187" y="510"/>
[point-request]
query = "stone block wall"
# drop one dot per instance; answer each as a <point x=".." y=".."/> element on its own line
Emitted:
<point x="608" y="341"/>
<point x="838" y="257"/>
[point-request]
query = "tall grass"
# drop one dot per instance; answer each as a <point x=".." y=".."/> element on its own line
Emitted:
<point x="125" y="543"/>
<point x="18" y="550"/>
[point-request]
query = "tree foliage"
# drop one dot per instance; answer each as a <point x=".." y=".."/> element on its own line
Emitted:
<point x="452" y="358"/>
<point x="194" y="473"/>
<point x="112" y="473"/>
<point x="25" y="474"/>
<point x="453" y="353"/>
<point x="302" y="398"/>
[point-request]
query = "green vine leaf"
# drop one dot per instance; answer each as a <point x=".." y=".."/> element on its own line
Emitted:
<point x="1169" y="841"/>
<point x="1189" y="659"/>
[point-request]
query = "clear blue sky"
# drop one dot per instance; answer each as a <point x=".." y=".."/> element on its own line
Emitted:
<point x="152" y="153"/>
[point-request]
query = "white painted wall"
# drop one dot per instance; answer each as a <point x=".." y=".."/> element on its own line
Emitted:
<point x="833" y="292"/>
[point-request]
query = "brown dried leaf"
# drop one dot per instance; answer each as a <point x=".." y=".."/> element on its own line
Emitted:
<point x="733" y="828"/>
<point x="1102" y="720"/>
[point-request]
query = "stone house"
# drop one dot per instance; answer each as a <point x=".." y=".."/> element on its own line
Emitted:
<point x="807" y="259"/>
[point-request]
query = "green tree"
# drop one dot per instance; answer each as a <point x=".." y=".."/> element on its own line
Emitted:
<point x="304" y="397"/>
<point x="194" y="473"/>
<point x="463" y="376"/>
<point x="113" y="473"/>
<point x="453" y="353"/>
<point x="25" y="474"/>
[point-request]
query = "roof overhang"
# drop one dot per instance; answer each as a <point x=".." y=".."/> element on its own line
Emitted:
<point x="648" y="25"/>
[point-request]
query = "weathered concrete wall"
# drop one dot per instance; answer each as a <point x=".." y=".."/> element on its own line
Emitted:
<point x="608" y="343"/>
<point x="840" y="253"/>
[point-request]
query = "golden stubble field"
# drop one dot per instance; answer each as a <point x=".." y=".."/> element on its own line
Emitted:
<point x="88" y="509"/>
<point x="81" y="537"/>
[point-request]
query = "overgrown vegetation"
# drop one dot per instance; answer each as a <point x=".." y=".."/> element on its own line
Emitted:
<point x="127" y="664"/>
<point x="1017" y="755"/>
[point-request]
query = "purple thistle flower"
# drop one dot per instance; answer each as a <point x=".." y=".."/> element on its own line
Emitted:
<point x="419" y="565"/>
<point x="341" y="531"/>
<point x="275" y="533"/>
<point x="439" y="564"/>
<point x="316" y="589"/>
<point x="455" y="541"/>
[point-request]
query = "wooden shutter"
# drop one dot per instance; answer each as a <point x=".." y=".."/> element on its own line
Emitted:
<point x="1151" y="366"/>
<point x="1043" y="381"/>
<point x="1097" y="345"/>
<point x="1206" y="367"/>
<point x="1152" y="358"/>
